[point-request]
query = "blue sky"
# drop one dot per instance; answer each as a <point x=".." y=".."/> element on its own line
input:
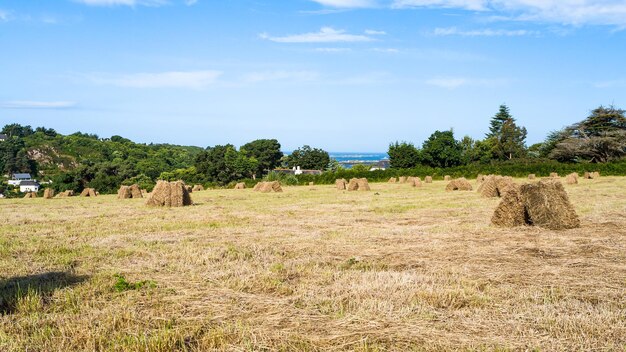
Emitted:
<point x="343" y="75"/>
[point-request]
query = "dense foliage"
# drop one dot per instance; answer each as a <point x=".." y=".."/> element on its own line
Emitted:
<point x="266" y="152"/>
<point x="308" y="158"/>
<point x="403" y="155"/>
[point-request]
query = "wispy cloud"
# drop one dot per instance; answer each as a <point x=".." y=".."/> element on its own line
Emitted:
<point x="290" y="76"/>
<point x="29" y="104"/>
<point x="487" y="32"/>
<point x="325" y="35"/>
<point x="347" y="3"/>
<point x="386" y="50"/>
<point x="173" y="79"/>
<point x="332" y="50"/>
<point x="617" y="83"/>
<point x="565" y="12"/>
<point x="4" y="16"/>
<point x="374" y="32"/>
<point x="457" y="82"/>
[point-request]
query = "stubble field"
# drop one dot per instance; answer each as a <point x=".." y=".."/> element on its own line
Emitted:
<point x="309" y="269"/>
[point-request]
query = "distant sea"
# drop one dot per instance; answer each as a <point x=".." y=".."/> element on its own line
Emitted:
<point x="348" y="159"/>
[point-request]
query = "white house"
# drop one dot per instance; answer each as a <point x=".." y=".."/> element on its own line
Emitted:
<point x="29" y="186"/>
<point x="3" y="137"/>
<point x="17" y="179"/>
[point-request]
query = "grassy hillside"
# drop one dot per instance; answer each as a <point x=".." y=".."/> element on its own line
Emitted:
<point x="311" y="269"/>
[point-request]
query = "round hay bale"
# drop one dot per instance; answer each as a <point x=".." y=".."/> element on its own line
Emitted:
<point x="240" y="185"/>
<point x="48" y="193"/>
<point x="393" y="180"/>
<point x="460" y="184"/>
<point x="340" y="183"/>
<point x="169" y="194"/>
<point x="532" y="176"/>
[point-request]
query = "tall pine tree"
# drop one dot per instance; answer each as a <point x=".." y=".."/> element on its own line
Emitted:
<point x="507" y="138"/>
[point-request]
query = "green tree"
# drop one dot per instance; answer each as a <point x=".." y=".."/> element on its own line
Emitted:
<point x="442" y="150"/>
<point x="266" y="152"/>
<point x="474" y="151"/>
<point x="17" y="130"/>
<point x="600" y="138"/>
<point x="508" y="140"/>
<point x="403" y="155"/>
<point x="308" y="158"/>
<point x="223" y="164"/>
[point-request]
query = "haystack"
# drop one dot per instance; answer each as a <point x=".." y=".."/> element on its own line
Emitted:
<point x="554" y="175"/>
<point x="68" y="193"/>
<point x="402" y="179"/>
<point x="189" y="189"/>
<point x="48" y="193"/>
<point x="428" y="179"/>
<point x="446" y="178"/>
<point x="595" y="174"/>
<point x="311" y="183"/>
<point x="480" y="178"/>
<point x="341" y="184"/>
<point x="544" y="204"/>
<point x="415" y="182"/>
<point x="532" y="176"/>
<point x="240" y="185"/>
<point x="587" y="175"/>
<point x="358" y="184"/>
<point x="30" y="195"/>
<point x="393" y="180"/>
<point x="266" y="187"/>
<point x="460" y="184"/>
<point x="88" y="192"/>
<point x="124" y="193"/>
<point x="495" y="186"/>
<point x="571" y="179"/>
<point x="169" y="194"/>
<point x="135" y="191"/>
<point x="197" y="188"/>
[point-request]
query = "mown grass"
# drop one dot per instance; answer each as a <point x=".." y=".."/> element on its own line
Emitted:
<point x="311" y="269"/>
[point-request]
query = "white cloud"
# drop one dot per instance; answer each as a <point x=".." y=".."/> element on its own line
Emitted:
<point x="4" y="16"/>
<point x="457" y="82"/>
<point x="347" y="3"/>
<point x="332" y="50"/>
<point x="174" y="79"/>
<point x="293" y="76"/>
<point x="123" y="2"/>
<point x="325" y="35"/>
<point x="619" y="83"/>
<point x="374" y="32"/>
<point x="386" y="50"/>
<point x="488" y="32"/>
<point x="29" y="104"/>
<point x="567" y="12"/>
<point x="191" y="2"/>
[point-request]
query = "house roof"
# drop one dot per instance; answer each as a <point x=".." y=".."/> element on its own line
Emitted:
<point x="29" y="183"/>
<point x="21" y="176"/>
<point x="3" y="136"/>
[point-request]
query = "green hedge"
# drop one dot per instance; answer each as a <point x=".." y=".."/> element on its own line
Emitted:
<point x="541" y="168"/>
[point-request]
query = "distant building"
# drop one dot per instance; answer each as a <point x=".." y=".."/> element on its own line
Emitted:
<point x="3" y="137"/>
<point x="29" y="186"/>
<point x="381" y="165"/>
<point x="17" y="179"/>
<point x="298" y="171"/>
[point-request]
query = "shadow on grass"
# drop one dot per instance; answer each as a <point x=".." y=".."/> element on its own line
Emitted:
<point x="13" y="289"/>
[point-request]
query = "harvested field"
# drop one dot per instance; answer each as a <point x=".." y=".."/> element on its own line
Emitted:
<point x="312" y="271"/>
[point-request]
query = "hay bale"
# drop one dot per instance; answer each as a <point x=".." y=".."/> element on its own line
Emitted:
<point x="571" y="179"/>
<point x="30" y="195"/>
<point x="135" y="191"/>
<point x="587" y="175"/>
<point x="197" y="188"/>
<point x="480" y="178"/>
<point x="595" y="174"/>
<point x="393" y="180"/>
<point x="415" y="182"/>
<point x="402" y="179"/>
<point x="267" y="187"/>
<point x="48" y="193"/>
<point x="510" y="212"/>
<point x="124" y="193"/>
<point x="363" y="184"/>
<point x="340" y="183"/>
<point x="311" y="183"/>
<point x="447" y="178"/>
<point x="460" y="184"/>
<point x="545" y="204"/>
<point x="88" y="192"/>
<point x="68" y="193"/>
<point x="189" y="189"/>
<point x="554" y="175"/>
<point x="495" y="186"/>
<point x="532" y="176"/>
<point x="353" y="185"/>
<point x="428" y="179"/>
<point x="257" y="186"/>
<point x="240" y="185"/>
<point x="169" y="194"/>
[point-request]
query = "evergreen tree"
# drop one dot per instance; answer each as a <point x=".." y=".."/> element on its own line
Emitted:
<point x="507" y="138"/>
<point x="498" y="120"/>
<point x="442" y="150"/>
<point x="403" y="155"/>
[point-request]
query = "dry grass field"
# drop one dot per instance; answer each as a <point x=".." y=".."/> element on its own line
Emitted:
<point x="311" y="269"/>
